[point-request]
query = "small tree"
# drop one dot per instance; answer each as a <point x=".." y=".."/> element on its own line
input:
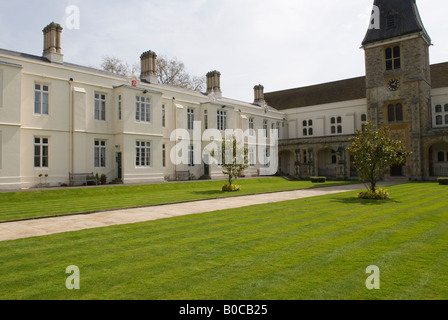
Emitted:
<point x="234" y="160"/>
<point x="374" y="151"/>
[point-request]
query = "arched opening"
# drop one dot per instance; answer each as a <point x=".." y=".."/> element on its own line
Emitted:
<point x="327" y="163"/>
<point x="438" y="160"/>
<point x="286" y="163"/>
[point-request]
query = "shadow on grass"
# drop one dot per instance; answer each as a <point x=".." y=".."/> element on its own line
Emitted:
<point x="367" y="202"/>
<point x="209" y="192"/>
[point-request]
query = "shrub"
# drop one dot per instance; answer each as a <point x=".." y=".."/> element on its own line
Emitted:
<point x="232" y="187"/>
<point x="443" y="181"/>
<point x="318" y="179"/>
<point x="379" y="194"/>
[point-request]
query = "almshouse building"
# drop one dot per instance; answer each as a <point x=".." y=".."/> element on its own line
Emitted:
<point x="58" y="118"/>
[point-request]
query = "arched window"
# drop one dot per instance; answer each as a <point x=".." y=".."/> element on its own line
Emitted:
<point x="439" y="120"/>
<point x="395" y="112"/>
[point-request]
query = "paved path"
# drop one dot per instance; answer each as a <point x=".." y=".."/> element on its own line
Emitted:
<point x="47" y="226"/>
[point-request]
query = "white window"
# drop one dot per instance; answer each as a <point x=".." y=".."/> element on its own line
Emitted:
<point x="163" y="116"/>
<point x="252" y="156"/>
<point x="100" y="106"/>
<point x="265" y="128"/>
<point x="278" y="130"/>
<point x="251" y="127"/>
<point x="41" y="152"/>
<point x="100" y="154"/>
<point x="222" y="120"/>
<point x="142" y="109"/>
<point x="441" y="115"/>
<point x="190" y="119"/>
<point x="143" y="154"/>
<point x="119" y="107"/>
<point x="41" y="99"/>
<point x="191" y="156"/>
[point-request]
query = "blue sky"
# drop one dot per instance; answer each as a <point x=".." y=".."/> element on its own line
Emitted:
<point x="280" y="44"/>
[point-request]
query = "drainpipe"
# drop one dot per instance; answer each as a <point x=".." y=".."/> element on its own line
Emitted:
<point x="71" y="127"/>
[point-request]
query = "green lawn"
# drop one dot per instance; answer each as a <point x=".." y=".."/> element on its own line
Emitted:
<point x="315" y="248"/>
<point x="31" y="204"/>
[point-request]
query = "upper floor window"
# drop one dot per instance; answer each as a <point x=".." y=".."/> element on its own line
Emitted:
<point x="363" y="117"/>
<point x="119" y="107"/>
<point x="395" y="112"/>
<point x="100" y="106"/>
<point x="393" y="60"/>
<point x="163" y="116"/>
<point x="441" y="115"/>
<point x="265" y="128"/>
<point x="308" y="128"/>
<point x="205" y="119"/>
<point x="336" y="125"/>
<point x="41" y="99"/>
<point x="142" y="109"/>
<point x="251" y="127"/>
<point x="190" y="119"/>
<point x="222" y="120"/>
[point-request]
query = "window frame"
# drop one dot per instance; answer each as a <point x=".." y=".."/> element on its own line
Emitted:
<point x="395" y="112"/>
<point x="42" y="146"/>
<point x="42" y="93"/>
<point x="100" y="153"/>
<point x="393" y="58"/>
<point x="143" y="109"/>
<point x="100" y="106"/>
<point x="440" y="115"/>
<point x="143" y="159"/>
<point x="221" y="120"/>
<point x="190" y="119"/>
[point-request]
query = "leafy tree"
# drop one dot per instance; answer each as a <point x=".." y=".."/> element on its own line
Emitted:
<point x="374" y="152"/>
<point x="234" y="158"/>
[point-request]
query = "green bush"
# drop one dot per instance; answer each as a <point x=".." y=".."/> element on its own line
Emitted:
<point x="443" y="181"/>
<point x="318" y="179"/>
<point x="379" y="194"/>
<point x="232" y="187"/>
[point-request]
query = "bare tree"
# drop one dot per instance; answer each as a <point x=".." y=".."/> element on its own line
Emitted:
<point x="170" y="71"/>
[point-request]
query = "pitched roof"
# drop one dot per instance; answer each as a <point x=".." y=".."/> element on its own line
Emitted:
<point x="350" y="89"/>
<point x="439" y="75"/>
<point x="344" y="90"/>
<point x="397" y="18"/>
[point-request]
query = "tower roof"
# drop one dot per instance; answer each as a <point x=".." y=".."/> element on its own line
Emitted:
<point x="396" y="18"/>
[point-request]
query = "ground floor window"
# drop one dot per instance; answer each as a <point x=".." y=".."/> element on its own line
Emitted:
<point x="100" y="154"/>
<point x="41" y="146"/>
<point x="143" y="154"/>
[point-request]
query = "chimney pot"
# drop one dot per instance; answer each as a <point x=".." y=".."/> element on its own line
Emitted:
<point x="52" y="43"/>
<point x="148" y="62"/>
<point x="214" y="83"/>
<point x="259" y="95"/>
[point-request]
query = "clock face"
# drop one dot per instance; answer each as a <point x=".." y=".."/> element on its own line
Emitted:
<point x="393" y="84"/>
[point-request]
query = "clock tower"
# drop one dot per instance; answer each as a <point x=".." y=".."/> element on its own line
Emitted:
<point x="398" y="79"/>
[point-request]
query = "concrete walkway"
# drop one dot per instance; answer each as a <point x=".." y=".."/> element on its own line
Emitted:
<point x="47" y="226"/>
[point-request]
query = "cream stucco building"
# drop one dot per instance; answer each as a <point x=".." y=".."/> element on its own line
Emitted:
<point x="58" y="118"/>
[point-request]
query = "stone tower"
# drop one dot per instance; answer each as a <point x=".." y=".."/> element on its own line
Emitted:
<point x="398" y="79"/>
